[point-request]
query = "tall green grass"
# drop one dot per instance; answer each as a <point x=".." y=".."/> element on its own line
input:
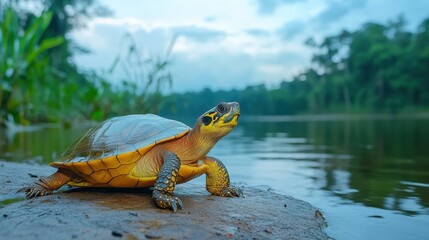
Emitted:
<point x="35" y="87"/>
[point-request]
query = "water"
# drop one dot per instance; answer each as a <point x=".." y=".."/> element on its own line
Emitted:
<point x="369" y="177"/>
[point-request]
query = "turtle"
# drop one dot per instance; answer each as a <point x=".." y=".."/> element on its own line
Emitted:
<point x="146" y="150"/>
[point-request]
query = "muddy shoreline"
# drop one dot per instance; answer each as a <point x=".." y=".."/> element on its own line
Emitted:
<point x="130" y="214"/>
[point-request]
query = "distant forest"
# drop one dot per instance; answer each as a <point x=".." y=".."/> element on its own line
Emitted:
<point x="377" y="68"/>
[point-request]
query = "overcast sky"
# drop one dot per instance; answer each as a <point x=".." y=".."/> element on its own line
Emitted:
<point x="226" y="44"/>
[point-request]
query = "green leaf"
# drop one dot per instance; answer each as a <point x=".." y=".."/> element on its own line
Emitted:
<point x="45" y="45"/>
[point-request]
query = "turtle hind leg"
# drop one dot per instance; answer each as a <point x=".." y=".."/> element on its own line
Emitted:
<point x="46" y="185"/>
<point x="166" y="182"/>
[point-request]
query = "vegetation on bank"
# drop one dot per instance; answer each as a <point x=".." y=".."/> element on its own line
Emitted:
<point x="377" y="68"/>
<point x="39" y="82"/>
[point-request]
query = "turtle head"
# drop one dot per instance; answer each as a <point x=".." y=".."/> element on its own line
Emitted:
<point x="220" y="120"/>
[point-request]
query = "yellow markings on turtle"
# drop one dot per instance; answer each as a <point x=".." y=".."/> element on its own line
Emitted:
<point x="213" y="116"/>
<point x="97" y="165"/>
<point x="146" y="182"/>
<point x="187" y="172"/>
<point x="102" y="176"/>
<point x="56" y="164"/>
<point x="202" y="169"/>
<point x="114" y="171"/>
<point x="170" y="138"/>
<point x="82" y="170"/>
<point x="121" y="170"/>
<point x="123" y="181"/>
<point x="80" y="184"/>
<point x="128" y="157"/>
<point x="72" y="167"/>
<point x="111" y="162"/>
<point x="82" y="167"/>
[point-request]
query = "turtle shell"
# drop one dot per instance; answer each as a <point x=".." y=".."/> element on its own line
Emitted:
<point x="123" y="134"/>
<point x="106" y="153"/>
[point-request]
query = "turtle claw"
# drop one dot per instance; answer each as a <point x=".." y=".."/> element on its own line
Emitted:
<point x="174" y="206"/>
<point x="179" y="202"/>
<point x="166" y="201"/>
<point x="230" y="191"/>
<point x="240" y="192"/>
<point x="35" y="190"/>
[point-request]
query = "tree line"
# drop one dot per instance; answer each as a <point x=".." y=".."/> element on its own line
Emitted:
<point x="377" y="68"/>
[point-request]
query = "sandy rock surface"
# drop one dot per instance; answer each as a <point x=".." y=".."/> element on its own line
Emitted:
<point x="130" y="214"/>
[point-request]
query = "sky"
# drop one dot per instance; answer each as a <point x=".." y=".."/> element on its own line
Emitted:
<point x="227" y="44"/>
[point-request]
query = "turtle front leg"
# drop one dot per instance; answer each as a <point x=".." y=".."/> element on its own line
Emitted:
<point x="46" y="185"/>
<point x="217" y="181"/>
<point x="166" y="182"/>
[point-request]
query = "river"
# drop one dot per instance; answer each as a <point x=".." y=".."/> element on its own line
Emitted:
<point x="369" y="176"/>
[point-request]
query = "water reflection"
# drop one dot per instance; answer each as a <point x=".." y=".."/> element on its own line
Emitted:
<point x="361" y="173"/>
<point x="41" y="144"/>
<point x="381" y="164"/>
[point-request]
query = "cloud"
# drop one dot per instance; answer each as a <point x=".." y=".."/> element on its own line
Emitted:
<point x="257" y="32"/>
<point x="325" y="20"/>
<point x="204" y="57"/>
<point x="266" y="7"/>
<point x="291" y="30"/>
<point x="216" y="71"/>
<point x="106" y="40"/>
<point x="210" y="19"/>
<point x="199" y="34"/>
<point x="233" y="70"/>
<point x="250" y="42"/>
<point x="337" y="9"/>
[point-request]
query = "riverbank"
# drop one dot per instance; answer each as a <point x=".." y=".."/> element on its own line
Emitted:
<point x="115" y="214"/>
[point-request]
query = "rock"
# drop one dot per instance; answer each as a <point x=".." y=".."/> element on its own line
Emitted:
<point x="133" y="214"/>
<point x="152" y="236"/>
<point x="116" y="234"/>
<point x="84" y="213"/>
<point x="32" y="175"/>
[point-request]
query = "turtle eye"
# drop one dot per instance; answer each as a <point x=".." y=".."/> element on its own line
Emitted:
<point x="222" y="108"/>
<point x="207" y="120"/>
